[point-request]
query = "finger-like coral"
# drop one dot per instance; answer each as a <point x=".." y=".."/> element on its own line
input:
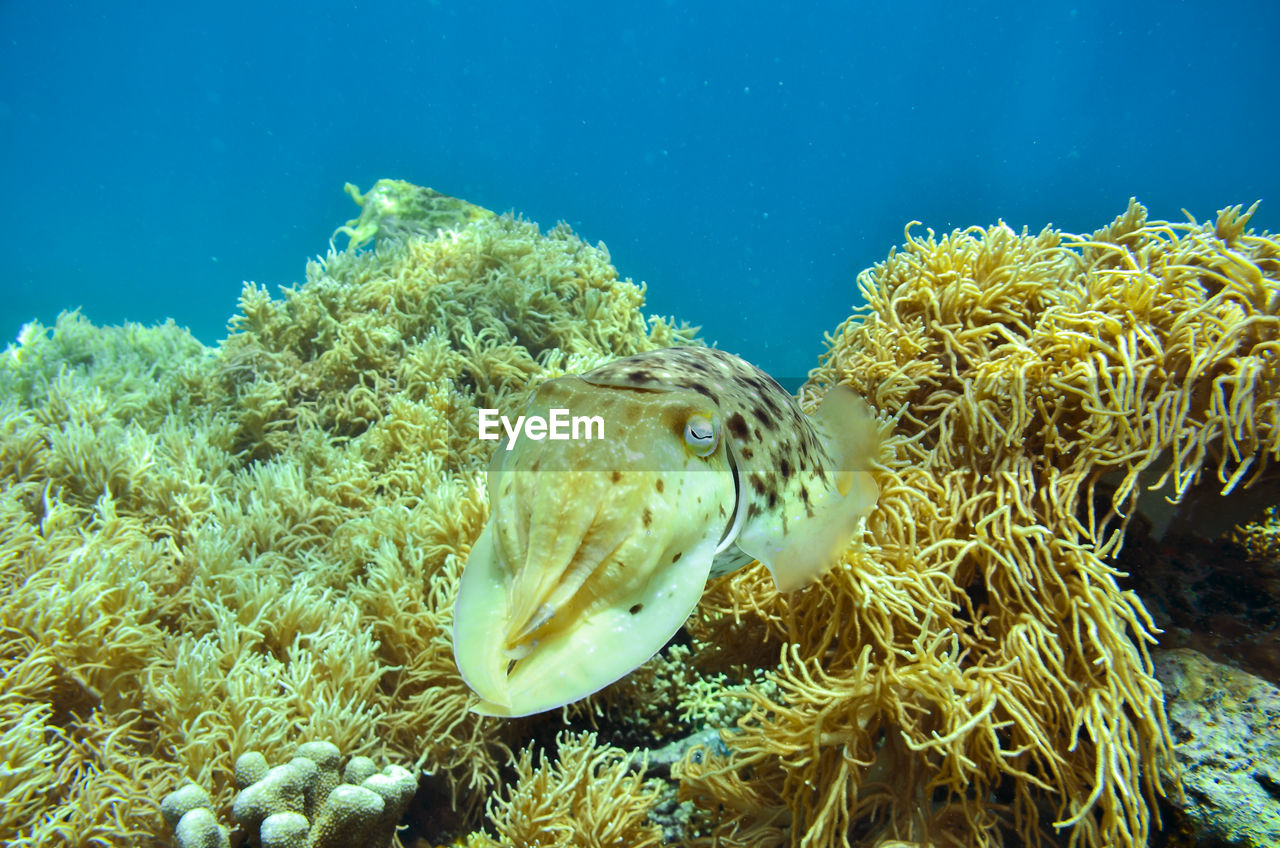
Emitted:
<point x="977" y="675"/>
<point x="300" y="804"/>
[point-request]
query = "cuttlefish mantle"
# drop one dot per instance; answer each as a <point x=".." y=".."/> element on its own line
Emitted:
<point x="599" y="545"/>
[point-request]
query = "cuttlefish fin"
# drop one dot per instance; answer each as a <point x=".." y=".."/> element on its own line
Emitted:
<point x="816" y="540"/>
<point x="811" y="550"/>
<point x="570" y="663"/>
<point x="848" y="431"/>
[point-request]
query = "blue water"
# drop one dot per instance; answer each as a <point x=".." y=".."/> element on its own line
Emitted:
<point x="743" y="159"/>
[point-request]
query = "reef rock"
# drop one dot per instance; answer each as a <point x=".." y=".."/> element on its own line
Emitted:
<point x="1224" y="722"/>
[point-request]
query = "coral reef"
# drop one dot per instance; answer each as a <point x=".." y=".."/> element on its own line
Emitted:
<point x="210" y="552"/>
<point x="977" y="675"/>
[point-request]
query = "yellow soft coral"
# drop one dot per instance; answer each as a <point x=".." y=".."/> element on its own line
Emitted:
<point x="588" y="796"/>
<point x="205" y="552"/>
<point x="977" y="676"/>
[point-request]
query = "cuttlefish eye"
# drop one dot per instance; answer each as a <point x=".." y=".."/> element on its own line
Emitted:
<point x="701" y="434"/>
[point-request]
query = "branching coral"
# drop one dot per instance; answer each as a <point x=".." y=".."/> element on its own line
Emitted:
<point x="125" y="364"/>
<point x="977" y="672"/>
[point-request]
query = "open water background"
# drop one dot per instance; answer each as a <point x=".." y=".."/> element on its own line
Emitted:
<point x="744" y="159"/>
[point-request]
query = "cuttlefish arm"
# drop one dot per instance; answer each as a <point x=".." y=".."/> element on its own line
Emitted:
<point x="598" y="549"/>
<point x="611" y="636"/>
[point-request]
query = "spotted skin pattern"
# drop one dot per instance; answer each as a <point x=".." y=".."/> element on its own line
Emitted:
<point x="780" y="457"/>
<point x="597" y="550"/>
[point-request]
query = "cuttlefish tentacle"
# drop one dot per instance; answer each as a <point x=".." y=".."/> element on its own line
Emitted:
<point x="597" y="550"/>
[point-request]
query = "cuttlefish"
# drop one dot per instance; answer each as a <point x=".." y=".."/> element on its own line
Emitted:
<point x="600" y="544"/>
